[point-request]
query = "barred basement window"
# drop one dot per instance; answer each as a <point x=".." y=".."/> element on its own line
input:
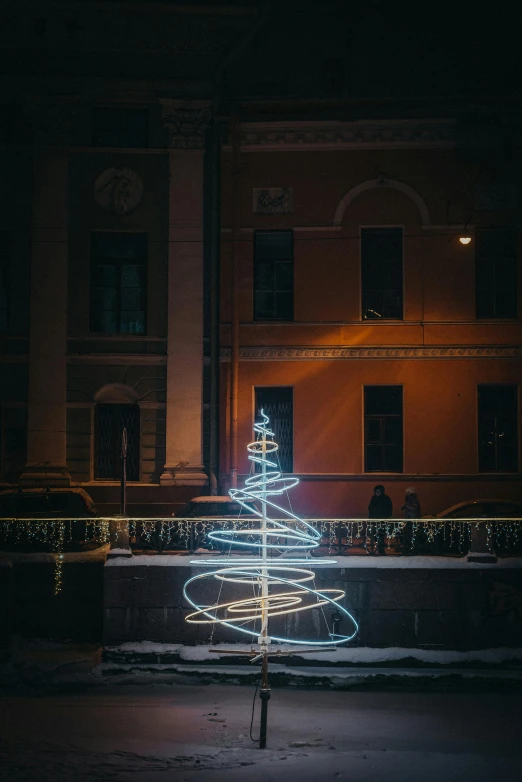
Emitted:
<point x="383" y="429"/>
<point x="273" y="275"/>
<point x="120" y="127"/>
<point x="381" y="273"/>
<point x="278" y="404"/>
<point x="109" y="422"/>
<point x="496" y="273"/>
<point x="498" y="428"/>
<point x="118" y="283"/>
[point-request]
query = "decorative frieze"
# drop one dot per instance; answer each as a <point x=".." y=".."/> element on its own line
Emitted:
<point x="336" y="353"/>
<point x="186" y="122"/>
<point x="273" y="200"/>
<point x="405" y="134"/>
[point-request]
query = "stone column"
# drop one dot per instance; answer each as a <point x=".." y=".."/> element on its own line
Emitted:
<point x="186" y="122"/>
<point x="46" y="455"/>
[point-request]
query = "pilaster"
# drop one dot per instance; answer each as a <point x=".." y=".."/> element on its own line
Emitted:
<point x="186" y="123"/>
<point x="46" y="454"/>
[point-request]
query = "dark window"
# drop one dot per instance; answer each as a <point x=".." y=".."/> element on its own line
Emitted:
<point x="120" y="127"/>
<point x="109" y="423"/>
<point x="495" y="273"/>
<point x="381" y="272"/>
<point x="4" y="281"/>
<point x="118" y="283"/>
<point x="383" y="428"/>
<point x="498" y="428"/>
<point x="273" y="275"/>
<point x="6" y="123"/>
<point x="278" y="404"/>
<point x="332" y="76"/>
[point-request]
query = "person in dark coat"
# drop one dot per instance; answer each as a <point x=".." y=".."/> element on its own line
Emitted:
<point x="380" y="507"/>
<point x="411" y="510"/>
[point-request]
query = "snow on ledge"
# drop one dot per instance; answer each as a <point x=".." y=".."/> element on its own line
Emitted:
<point x="350" y="656"/>
<point x="350" y="562"/>
<point x="95" y="555"/>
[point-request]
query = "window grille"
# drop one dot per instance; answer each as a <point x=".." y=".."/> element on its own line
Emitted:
<point x="109" y="423"/>
<point x="277" y="403"/>
<point x="273" y="275"/>
<point x="498" y="428"/>
<point x="381" y="273"/>
<point x="383" y="437"/>
<point x="118" y="283"/>
<point x="495" y="273"/>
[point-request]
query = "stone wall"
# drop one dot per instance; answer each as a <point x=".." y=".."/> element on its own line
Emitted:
<point x="460" y="607"/>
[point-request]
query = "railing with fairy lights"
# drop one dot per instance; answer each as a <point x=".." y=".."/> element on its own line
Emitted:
<point x="355" y="536"/>
<point x="338" y="535"/>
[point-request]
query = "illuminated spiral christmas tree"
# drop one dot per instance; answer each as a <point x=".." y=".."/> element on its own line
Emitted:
<point x="280" y="585"/>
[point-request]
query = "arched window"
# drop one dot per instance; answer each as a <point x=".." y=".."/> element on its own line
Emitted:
<point x="116" y="410"/>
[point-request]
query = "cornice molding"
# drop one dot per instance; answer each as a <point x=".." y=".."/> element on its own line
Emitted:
<point x="383" y="134"/>
<point x="345" y="353"/>
<point x="117" y="359"/>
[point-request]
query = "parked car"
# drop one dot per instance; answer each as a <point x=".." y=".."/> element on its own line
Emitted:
<point x="40" y="504"/>
<point x="453" y="538"/>
<point x="73" y="503"/>
<point x="476" y="509"/>
<point x="214" y="507"/>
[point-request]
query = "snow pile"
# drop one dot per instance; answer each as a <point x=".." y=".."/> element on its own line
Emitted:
<point x="349" y="562"/>
<point x="95" y="555"/>
<point x="364" y="655"/>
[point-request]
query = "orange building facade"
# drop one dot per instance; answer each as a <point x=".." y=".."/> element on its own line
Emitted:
<point x="388" y="351"/>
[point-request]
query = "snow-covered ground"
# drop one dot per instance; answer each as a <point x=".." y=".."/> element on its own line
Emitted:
<point x="186" y="733"/>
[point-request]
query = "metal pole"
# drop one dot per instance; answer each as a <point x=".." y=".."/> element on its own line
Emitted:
<point x="234" y="328"/>
<point x="123" y="483"/>
<point x="264" y="693"/>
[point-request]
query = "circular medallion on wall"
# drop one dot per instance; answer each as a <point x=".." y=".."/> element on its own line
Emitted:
<point x="118" y="190"/>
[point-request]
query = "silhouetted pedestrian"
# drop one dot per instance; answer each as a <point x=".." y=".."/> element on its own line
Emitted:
<point x="380" y="507"/>
<point x="411" y="509"/>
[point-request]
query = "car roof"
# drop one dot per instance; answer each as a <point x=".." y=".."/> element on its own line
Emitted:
<point x="488" y="500"/>
<point x="16" y="493"/>
<point x="213" y="498"/>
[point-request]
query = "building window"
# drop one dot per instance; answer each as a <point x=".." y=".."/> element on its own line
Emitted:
<point x="120" y="127"/>
<point x="498" y="428"/>
<point x="381" y="273"/>
<point x="383" y="428"/>
<point x="495" y="273"/>
<point x="273" y="275"/>
<point x="4" y="281"/>
<point x="278" y="404"/>
<point x="118" y="283"/>
<point x="109" y="422"/>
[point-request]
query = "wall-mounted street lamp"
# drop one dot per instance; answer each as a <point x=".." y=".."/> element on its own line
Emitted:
<point x="464" y="239"/>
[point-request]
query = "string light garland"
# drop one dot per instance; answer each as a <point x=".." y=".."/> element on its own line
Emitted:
<point x="429" y="536"/>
